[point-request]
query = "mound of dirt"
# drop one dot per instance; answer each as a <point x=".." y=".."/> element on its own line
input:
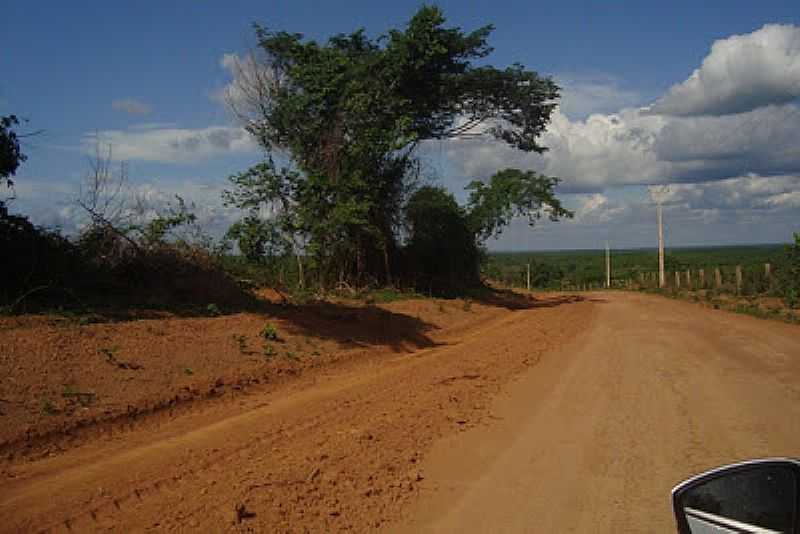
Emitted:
<point x="64" y="377"/>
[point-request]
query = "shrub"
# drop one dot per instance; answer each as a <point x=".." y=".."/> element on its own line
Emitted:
<point x="788" y="274"/>
<point x="442" y="255"/>
<point x="269" y="332"/>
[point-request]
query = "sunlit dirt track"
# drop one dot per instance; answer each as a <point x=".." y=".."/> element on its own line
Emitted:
<point x="594" y="439"/>
<point x="562" y="417"/>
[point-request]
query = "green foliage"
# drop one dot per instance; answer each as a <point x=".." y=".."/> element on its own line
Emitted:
<point x="442" y="253"/>
<point x="268" y="351"/>
<point x="351" y="112"/>
<point x="212" y="310"/>
<point x="788" y="273"/>
<point x="269" y="332"/>
<point x="511" y="193"/>
<point x="10" y="153"/>
<point x="259" y="240"/>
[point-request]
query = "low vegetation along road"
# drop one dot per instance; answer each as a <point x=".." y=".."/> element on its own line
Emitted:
<point x="562" y="415"/>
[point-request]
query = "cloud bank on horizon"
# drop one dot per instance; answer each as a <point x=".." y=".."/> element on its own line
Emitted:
<point x="731" y="131"/>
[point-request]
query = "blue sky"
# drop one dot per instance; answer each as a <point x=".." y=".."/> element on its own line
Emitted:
<point x="147" y="76"/>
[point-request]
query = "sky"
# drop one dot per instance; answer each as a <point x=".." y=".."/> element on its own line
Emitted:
<point x="695" y="105"/>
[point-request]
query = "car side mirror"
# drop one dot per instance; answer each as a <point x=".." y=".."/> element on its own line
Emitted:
<point x="757" y="496"/>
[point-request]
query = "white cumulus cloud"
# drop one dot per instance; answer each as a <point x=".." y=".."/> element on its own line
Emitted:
<point x="741" y="73"/>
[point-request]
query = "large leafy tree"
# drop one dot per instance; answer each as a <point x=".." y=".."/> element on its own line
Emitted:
<point x="347" y="117"/>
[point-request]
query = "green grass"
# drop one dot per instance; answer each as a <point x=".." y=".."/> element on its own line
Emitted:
<point x="386" y="295"/>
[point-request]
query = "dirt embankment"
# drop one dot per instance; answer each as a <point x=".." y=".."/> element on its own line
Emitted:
<point x="337" y="447"/>
<point x="64" y="378"/>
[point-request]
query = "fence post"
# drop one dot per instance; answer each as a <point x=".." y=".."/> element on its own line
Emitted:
<point x="688" y="279"/>
<point x="702" y="274"/>
<point x="677" y="279"/>
<point x="738" y="279"/>
<point x="717" y="278"/>
<point x="768" y="271"/>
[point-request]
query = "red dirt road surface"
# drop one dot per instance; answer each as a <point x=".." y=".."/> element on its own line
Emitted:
<point x="556" y="416"/>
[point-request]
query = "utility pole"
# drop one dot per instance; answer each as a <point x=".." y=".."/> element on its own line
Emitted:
<point x="662" y="279"/>
<point x="529" y="276"/>
<point x="608" y="266"/>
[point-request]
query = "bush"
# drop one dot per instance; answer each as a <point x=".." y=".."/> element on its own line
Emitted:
<point x="788" y="274"/>
<point x="36" y="263"/>
<point x="43" y="269"/>
<point x="442" y="255"/>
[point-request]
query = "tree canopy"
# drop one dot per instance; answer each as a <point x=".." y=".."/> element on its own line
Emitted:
<point x="348" y="115"/>
<point x="10" y="154"/>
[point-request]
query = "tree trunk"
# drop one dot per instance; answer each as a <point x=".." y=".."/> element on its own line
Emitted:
<point x="301" y="279"/>
<point x="386" y="266"/>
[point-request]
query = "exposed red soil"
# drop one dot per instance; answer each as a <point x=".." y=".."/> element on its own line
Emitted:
<point x="320" y="443"/>
<point x="60" y="376"/>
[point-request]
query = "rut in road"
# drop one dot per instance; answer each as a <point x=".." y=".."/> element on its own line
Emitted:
<point x="594" y="438"/>
<point x="342" y="453"/>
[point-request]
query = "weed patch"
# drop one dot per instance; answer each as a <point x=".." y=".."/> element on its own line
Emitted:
<point x="269" y="332"/>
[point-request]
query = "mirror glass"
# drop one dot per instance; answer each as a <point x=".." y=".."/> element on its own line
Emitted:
<point x="754" y="499"/>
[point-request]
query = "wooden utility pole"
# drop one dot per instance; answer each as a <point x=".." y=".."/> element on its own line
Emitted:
<point x="608" y="266"/>
<point x="662" y="279"/>
<point x="529" y="277"/>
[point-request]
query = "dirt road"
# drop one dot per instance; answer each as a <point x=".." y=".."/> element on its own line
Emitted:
<point x="595" y="437"/>
<point x="617" y="399"/>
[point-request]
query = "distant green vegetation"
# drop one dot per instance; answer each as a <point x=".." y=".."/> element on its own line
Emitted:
<point x="573" y="268"/>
